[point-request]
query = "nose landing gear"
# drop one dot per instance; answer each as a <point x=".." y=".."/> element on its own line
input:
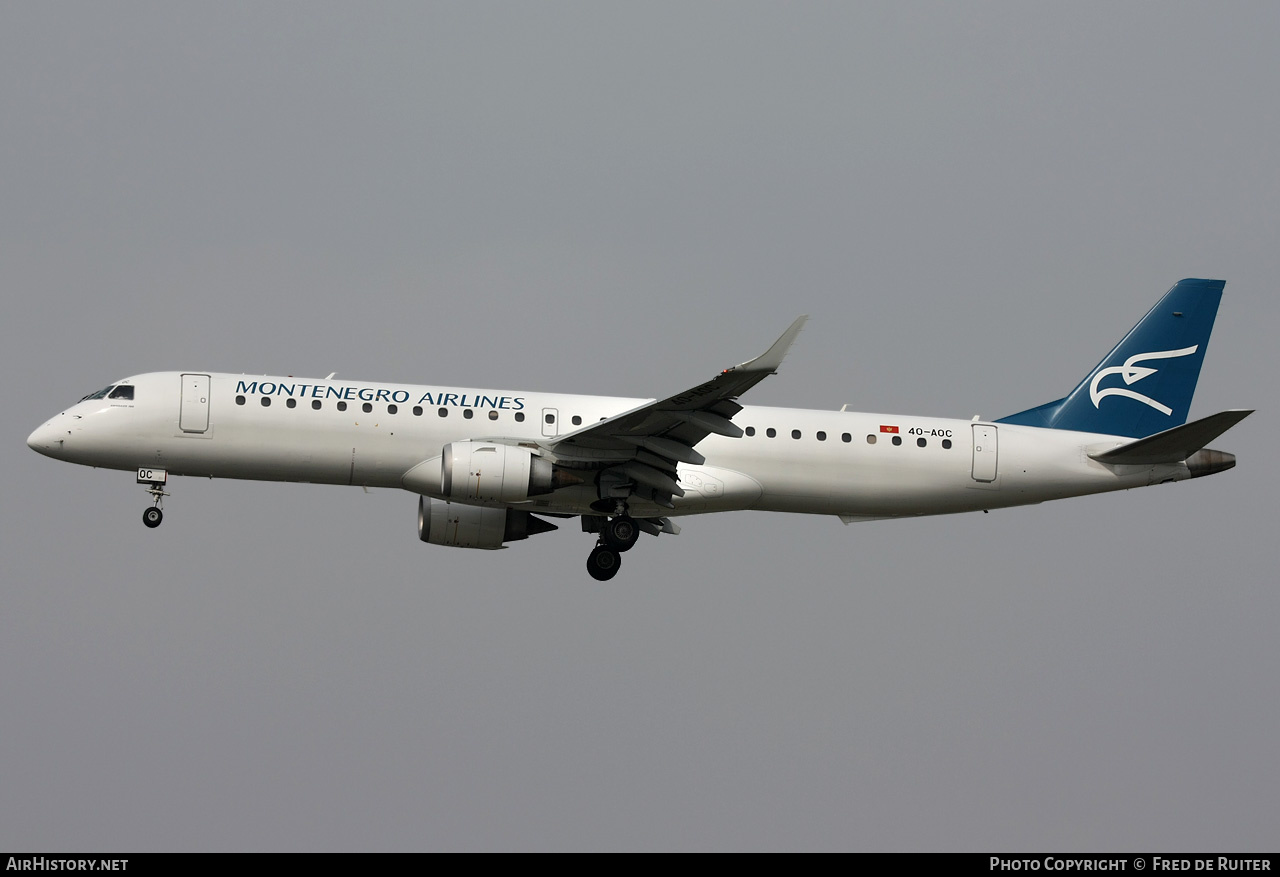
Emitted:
<point x="156" y="479"/>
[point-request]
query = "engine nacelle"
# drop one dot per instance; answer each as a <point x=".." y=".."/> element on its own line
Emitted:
<point x="487" y="472"/>
<point x="469" y="526"/>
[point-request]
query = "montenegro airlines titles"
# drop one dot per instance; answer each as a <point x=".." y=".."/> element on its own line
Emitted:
<point x="350" y="392"/>
<point x="493" y="466"/>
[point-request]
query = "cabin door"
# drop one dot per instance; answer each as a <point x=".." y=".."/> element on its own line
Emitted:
<point x="194" y="416"/>
<point x="985" y="447"/>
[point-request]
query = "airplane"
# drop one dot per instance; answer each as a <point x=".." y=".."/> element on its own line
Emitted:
<point x="491" y="467"/>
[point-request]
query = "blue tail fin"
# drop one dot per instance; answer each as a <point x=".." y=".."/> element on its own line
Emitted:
<point x="1144" y="385"/>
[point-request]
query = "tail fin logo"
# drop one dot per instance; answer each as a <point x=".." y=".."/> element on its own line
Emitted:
<point x="1132" y="373"/>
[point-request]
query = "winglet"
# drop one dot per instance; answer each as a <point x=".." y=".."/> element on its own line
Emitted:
<point x="772" y="358"/>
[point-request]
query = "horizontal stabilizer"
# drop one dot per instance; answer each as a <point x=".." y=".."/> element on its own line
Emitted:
<point x="1174" y="445"/>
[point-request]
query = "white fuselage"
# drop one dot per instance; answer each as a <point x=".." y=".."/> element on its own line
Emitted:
<point x="791" y="460"/>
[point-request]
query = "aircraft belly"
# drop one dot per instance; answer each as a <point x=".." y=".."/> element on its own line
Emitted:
<point x="247" y="451"/>
<point x="714" y="488"/>
<point x="1035" y="465"/>
<point x="867" y="486"/>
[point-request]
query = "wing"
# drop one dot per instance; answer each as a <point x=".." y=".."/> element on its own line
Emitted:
<point x="638" y="450"/>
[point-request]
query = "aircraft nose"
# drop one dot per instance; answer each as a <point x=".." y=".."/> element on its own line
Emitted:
<point x="44" y="439"/>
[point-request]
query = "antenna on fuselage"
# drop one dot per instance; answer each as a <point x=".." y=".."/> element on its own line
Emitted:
<point x="331" y="375"/>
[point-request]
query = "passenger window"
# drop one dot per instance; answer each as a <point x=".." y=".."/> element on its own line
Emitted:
<point x="493" y="415"/>
<point x="795" y="433"/>
<point x="342" y="406"/>
<point x="577" y="421"/>
<point x="443" y="412"/>
<point x="920" y="443"/>
<point x="822" y="436"/>
<point x="392" y="409"/>
<point x="124" y="391"/>
<point x="550" y="418"/>
<point x="417" y="410"/>
<point x="266" y="401"/>
<point x="771" y="432"/>
<point x="519" y="417"/>
<point x="897" y="440"/>
<point x="871" y="438"/>
<point x="366" y="407"/>
<point x="291" y="403"/>
<point x="845" y="437"/>
<point x="946" y="444"/>
<point x="239" y="400"/>
<point x="315" y="403"/>
<point x="750" y="430"/>
<point x="468" y="413"/>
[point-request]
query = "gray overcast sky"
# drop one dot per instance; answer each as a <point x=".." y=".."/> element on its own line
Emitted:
<point x="973" y="201"/>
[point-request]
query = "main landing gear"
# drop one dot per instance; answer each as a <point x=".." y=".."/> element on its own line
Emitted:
<point x="603" y="563"/>
<point x="155" y="479"/>
<point x="616" y="536"/>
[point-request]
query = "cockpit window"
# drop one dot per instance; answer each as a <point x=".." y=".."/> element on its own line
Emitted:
<point x="124" y="391"/>
<point x="101" y="394"/>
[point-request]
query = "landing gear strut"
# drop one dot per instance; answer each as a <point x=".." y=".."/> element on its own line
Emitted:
<point x="155" y="479"/>
<point x="617" y="534"/>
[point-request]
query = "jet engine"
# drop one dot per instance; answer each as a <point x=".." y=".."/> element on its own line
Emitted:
<point x="469" y="526"/>
<point x="487" y="472"/>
